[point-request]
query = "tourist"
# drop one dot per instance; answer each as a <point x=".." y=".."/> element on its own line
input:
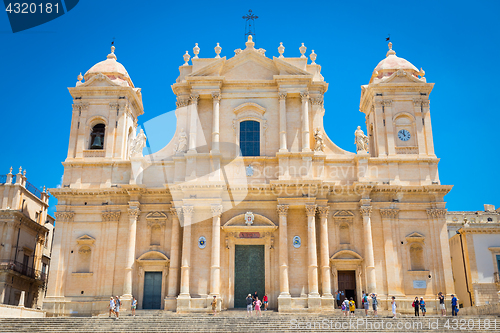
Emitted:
<point x="375" y="305"/>
<point x="337" y="297"/>
<point x="393" y="303"/>
<point x="118" y="303"/>
<point x="422" y="306"/>
<point x="441" y="304"/>
<point x="345" y="307"/>
<point x="214" y="305"/>
<point x="134" y="306"/>
<point x="416" y="305"/>
<point x="266" y="301"/>
<point x="255" y="296"/>
<point x="249" y="300"/>
<point x="352" y="307"/>
<point x="257" y="306"/>
<point x="366" y="303"/>
<point x="111" y="306"/>
<point x="454" y="305"/>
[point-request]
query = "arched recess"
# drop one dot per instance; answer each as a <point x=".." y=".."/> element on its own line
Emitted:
<point x="348" y="260"/>
<point x="152" y="261"/>
<point x="405" y="121"/>
<point x="250" y="112"/>
<point x="96" y="126"/>
<point x="84" y="260"/>
<point x="416" y="252"/>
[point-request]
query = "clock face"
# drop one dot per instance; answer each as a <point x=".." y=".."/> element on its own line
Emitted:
<point x="404" y="135"/>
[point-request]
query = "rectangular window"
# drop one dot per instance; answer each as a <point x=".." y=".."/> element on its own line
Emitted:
<point x="250" y="138"/>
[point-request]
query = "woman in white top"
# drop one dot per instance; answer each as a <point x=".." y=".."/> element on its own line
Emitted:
<point x="111" y="306"/>
<point x="393" y="306"/>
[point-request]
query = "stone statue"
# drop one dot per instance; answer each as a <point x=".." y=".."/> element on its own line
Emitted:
<point x="318" y="137"/>
<point x="138" y="144"/>
<point x="182" y="143"/>
<point x="361" y="140"/>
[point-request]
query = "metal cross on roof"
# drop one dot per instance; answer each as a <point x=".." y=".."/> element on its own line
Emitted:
<point x="250" y="20"/>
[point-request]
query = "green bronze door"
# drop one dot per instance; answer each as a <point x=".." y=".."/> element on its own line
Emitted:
<point x="152" y="290"/>
<point x="249" y="273"/>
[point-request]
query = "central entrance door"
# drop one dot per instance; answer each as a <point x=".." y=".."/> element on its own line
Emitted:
<point x="347" y="284"/>
<point x="152" y="290"/>
<point x="249" y="273"/>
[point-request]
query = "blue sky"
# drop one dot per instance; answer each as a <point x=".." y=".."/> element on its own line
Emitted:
<point x="456" y="42"/>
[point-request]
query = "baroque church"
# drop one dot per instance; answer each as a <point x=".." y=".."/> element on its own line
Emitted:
<point x="250" y="194"/>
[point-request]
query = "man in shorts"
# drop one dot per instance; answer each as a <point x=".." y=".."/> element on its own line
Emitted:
<point x="374" y="304"/>
<point x="111" y="306"/>
<point x="249" y="300"/>
<point x="441" y="304"/>
<point x="366" y="304"/>
<point x="117" y="306"/>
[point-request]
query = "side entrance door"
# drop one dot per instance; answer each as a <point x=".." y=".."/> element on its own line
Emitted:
<point x="152" y="290"/>
<point x="347" y="284"/>
<point x="249" y="273"/>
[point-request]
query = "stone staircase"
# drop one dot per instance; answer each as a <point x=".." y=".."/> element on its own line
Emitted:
<point x="236" y="321"/>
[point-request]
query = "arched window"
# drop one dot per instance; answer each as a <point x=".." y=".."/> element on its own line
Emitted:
<point x="344" y="234"/>
<point x="97" y="137"/>
<point x="84" y="254"/>
<point x="417" y="257"/>
<point x="155" y="235"/>
<point x="250" y="138"/>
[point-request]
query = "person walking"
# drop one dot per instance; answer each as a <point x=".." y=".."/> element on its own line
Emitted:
<point x="257" y="306"/>
<point x="375" y="305"/>
<point x="118" y="303"/>
<point x="266" y="301"/>
<point x="422" y="306"/>
<point x="393" y="304"/>
<point x="337" y="297"/>
<point x="366" y="304"/>
<point x="214" y="305"/>
<point x="249" y="300"/>
<point x="352" y="307"/>
<point x="442" y="306"/>
<point x="416" y="306"/>
<point x="134" y="306"/>
<point x="345" y="307"/>
<point x="454" y="305"/>
<point x="111" y="306"/>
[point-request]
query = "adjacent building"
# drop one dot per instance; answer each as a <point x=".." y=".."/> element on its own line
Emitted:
<point x="475" y="255"/>
<point x="250" y="194"/>
<point x="25" y="241"/>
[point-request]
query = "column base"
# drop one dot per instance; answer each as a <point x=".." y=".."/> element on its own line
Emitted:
<point x="327" y="301"/>
<point x="170" y="303"/>
<point x="126" y="301"/>
<point x="313" y="301"/>
<point x="284" y="302"/>
<point x="183" y="302"/>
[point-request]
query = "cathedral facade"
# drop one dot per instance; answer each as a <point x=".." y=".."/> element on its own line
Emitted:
<point x="250" y="194"/>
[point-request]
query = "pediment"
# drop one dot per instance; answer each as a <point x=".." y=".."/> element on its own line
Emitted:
<point x="346" y="255"/>
<point x="249" y="106"/>
<point x="415" y="237"/>
<point x="249" y="65"/>
<point x="259" y="221"/>
<point x="153" y="256"/>
<point x="212" y="69"/>
<point x="85" y="239"/>
<point x="343" y="214"/>
<point x="157" y="216"/>
<point x="288" y="69"/>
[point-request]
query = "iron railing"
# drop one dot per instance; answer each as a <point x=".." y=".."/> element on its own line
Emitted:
<point x="3" y="179"/>
<point x="30" y="187"/>
<point x="16" y="266"/>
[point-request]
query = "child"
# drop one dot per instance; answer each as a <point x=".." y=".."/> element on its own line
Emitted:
<point x="375" y="304"/>
<point x="134" y="306"/>
<point x="214" y="305"/>
<point x="257" y="306"/>
<point x="352" y="306"/>
<point x="393" y="303"/>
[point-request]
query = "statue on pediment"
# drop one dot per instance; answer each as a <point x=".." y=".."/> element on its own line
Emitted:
<point x="138" y="144"/>
<point x="318" y="137"/>
<point x="361" y="140"/>
<point x="182" y="143"/>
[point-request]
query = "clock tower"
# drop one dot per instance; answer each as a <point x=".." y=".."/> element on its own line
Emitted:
<point x="396" y="105"/>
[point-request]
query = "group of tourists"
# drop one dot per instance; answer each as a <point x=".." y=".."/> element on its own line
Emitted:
<point x="254" y="303"/>
<point x="115" y="304"/>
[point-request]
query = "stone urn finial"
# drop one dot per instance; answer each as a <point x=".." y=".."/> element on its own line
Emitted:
<point x="24" y="173"/>
<point x="44" y="189"/>
<point x="217" y="50"/>
<point x="391" y="51"/>
<point x="20" y="169"/>
<point x="281" y="50"/>
<point x="80" y="77"/>
<point x="10" y="171"/>
<point x="313" y="57"/>
<point x="303" y="50"/>
<point x="186" y="59"/>
<point x="250" y="43"/>
<point x="196" y="51"/>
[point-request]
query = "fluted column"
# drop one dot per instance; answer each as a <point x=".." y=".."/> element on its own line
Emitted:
<point x="215" y="125"/>
<point x="215" y="268"/>
<point x="392" y="271"/>
<point x="186" y="251"/>
<point x="174" y="253"/>
<point x="282" y="113"/>
<point x="312" y="259"/>
<point x="306" y="146"/>
<point x="283" y="250"/>
<point x="133" y="214"/>
<point x="193" y="123"/>
<point x="324" y="252"/>
<point x="371" y="285"/>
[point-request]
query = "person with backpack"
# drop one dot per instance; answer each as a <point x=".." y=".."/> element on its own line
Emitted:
<point x="454" y="307"/>
<point x="416" y="306"/>
<point x="374" y="304"/>
<point x="352" y="307"/>
<point x="345" y="307"/>
<point x="366" y="304"/>
<point x="249" y="300"/>
<point x="118" y="303"/>
<point x="422" y="306"/>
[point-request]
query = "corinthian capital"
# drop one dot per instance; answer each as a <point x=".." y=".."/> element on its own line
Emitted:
<point x="110" y="216"/>
<point x="64" y="216"/>
<point x="310" y="209"/>
<point x="282" y="95"/>
<point x="317" y="100"/>
<point x="176" y="212"/>
<point x="387" y="102"/>
<point x="194" y="98"/>
<point x="216" y="96"/>
<point x="134" y="212"/>
<point x="188" y="211"/>
<point x="282" y="210"/>
<point x="436" y="213"/>
<point x="389" y="213"/>
<point x="365" y="210"/>
<point x="323" y="211"/>
<point x="304" y="96"/>
<point x="216" y="210"/>
<point x="182" y="102"/>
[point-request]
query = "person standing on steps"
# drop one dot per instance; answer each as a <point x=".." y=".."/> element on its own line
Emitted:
<point x="255" y="296"/>
<point x="416" y="306"/>
<point x="214" y="305"/>
<point x="345" y="307"/>
<point x="266" y="301"/>
<point x="118" y="303"/>
<point x="454" y="307"/>
<point x="442" y="306"/>
<point x="249" y="300"/>
<point x="337" y="297"/>
<point x="393" y="304"/>
<point x="352" y="307"/>
<point x="134" y="306"/>
<point x="366" y="304"/>
<point x="257" y="306"/>
<point x="375" y="305"/>
<point x="422" y="306"/>
<point x="111" y="306"/>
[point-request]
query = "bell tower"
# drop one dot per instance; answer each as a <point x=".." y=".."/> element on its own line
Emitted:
<point x="105" y="110"/>
<point x="396" y="105"/>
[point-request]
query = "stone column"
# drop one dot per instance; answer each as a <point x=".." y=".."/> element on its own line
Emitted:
<point x="441" y="234"/>
<point x="391" y="144"/>
<point x="428" y="128"/>
<point x="371" y="286"/>
<point x="133" y="214"/>
<point x="8" y="241"/>
<point x="215" y="268"/>
<point x="326" y="286"/>
<point x="173" y="273"/>
<point x="193" y="123"/>
<point x="215" y="125"/>
<point x="282" y="113"/>
<point x="306" y="146"/>
<point x="186" y="251"/>
<point x="391" y="262"/>
<point x="284" y="299"/>
<point x="417" y="110"/>
<point x="312" y="259"/>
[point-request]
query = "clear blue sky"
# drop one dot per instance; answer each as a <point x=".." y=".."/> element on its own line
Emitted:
<point x="456" y="42"/>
